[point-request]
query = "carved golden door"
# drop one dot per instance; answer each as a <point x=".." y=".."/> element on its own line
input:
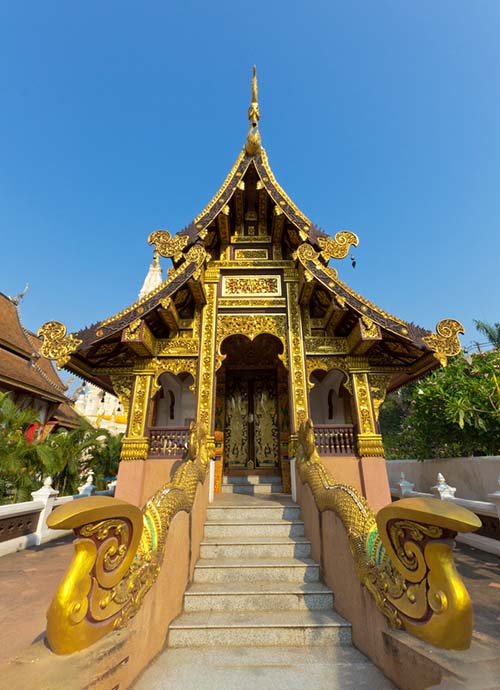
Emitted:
<point x="251" y="438"/>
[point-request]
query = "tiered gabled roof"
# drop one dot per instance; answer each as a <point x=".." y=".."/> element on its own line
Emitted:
<point x="249" y="191"/>
<point x="21" y="365"/>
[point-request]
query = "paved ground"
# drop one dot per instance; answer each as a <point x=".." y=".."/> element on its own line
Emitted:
<point x="29" y="578"/>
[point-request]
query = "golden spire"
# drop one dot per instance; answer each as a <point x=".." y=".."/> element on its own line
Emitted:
<point x="253" y="143"/>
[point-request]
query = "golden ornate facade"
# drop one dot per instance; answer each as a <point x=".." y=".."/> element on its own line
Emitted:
<point x="251" y="318"/>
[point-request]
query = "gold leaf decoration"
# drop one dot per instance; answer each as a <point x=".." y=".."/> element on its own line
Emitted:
<point x="56" y="344"/>
<point x="446" y="343"/>
<point x="403" y="556"/>
<point x="338" y="248"/>
<point x="166" y="245"/>
<point x="118" y="554"/>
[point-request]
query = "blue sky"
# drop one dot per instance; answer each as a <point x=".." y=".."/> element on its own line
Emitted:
<point x="119" y="118"/>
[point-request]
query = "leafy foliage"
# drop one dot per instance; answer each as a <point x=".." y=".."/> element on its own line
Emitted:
<point x="453" y="412"/>
<point x="64" y="455"/>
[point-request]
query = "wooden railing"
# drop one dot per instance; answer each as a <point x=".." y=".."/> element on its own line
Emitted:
<point x="335" y="439"/>
<point x="168" y="441"/>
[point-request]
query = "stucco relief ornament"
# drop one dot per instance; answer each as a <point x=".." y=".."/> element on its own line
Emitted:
<point x="446" y="343"/>
<point x="56" y="345"/>
<point x="166" y="245"/>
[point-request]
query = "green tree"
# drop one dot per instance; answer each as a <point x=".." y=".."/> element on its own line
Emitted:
<point x="492" y="332"/>
<point x="20" y="464"/>
<point x="104" y="456"/>
<point x="452" y="412"/>
<point x="63" y="454"/>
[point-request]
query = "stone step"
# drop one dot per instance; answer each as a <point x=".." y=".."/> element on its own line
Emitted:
<point x="255" y="547"/>
<point x="261" y="512"/>
<point x="247" y="628"/>
<point x="258" y="596"/>
<point x="256" y="570"/>
<point x="252" y="479"/>
<point x="252" y="489"/>
<point x="262" y="668"/>
<point x="216" y="529"/>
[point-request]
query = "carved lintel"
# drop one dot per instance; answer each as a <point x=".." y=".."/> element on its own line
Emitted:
<point x="139" y="338"/>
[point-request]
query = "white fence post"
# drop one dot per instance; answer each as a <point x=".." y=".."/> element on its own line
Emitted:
<point x="495" y="498"/>
<point x="404" y="486"/>
<point x="443" y="490"/>
<point x="47" y="495"/>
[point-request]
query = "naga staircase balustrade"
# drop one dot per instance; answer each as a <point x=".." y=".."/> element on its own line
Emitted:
<point x="119" y="551"/>
<point x="403" y="555"/>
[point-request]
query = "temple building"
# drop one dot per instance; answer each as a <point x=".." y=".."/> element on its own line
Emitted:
<point x="29" y="378"/>
<point x="252" y="332"/>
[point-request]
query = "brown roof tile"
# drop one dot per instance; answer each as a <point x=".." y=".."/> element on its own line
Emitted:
<point x="12" y="334"/>
<point x="18" y="373"/>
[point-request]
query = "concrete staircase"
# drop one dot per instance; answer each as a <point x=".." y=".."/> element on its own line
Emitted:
<point x="256" y="614"/>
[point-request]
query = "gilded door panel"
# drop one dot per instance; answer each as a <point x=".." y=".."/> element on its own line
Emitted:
<point x="266" y="431"/>
<point x="236" y="433"/>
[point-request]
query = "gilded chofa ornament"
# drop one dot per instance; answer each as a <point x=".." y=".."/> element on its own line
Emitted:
<point x="403" y="556"/>
<point x="446" y="343"/>
<point x="119" y="552"/>
<point x="166" y="245"/>
<point x="253" y="142"/>
<point x="56" y="344"/>
<point x="338" y="248"/>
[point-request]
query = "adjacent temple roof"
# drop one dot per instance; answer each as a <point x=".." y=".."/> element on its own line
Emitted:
<point x="24" y="370"/>
<point x="250" y="195"/>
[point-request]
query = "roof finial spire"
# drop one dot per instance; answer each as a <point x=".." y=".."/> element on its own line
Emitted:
<point x="253" y="142"/>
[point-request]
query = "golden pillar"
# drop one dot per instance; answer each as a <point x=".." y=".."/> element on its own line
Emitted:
<point x="369" y="439"/>
<point x="206" y="371"/>
<point x="297" y="378"/>
<point x="135" y="444"/>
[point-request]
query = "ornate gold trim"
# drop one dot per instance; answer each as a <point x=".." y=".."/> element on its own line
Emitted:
<point x="118" y="554"/>
<point x="298" y="381"/>
<point x="207" y="358"/>
<point x="56" y="345"/>
<point x="446" y="343"/>
<point x="251" y="326"/>
<point x="338" y="248"/>
<point x="404" y="556"/>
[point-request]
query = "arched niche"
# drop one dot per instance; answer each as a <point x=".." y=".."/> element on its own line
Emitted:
<point x="328" y="398"/>
<point x="174" y="402"/>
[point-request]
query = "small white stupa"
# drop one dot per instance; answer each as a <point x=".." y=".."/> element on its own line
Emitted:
<point x="154" y="277"/>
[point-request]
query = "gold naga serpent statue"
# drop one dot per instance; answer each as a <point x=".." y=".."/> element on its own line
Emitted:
<point x="403" y="555"/>
<point x="119" y="551"/>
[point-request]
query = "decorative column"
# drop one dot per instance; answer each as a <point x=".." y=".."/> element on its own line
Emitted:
<point x="297" y="378"/>
<point x="369" y="441"/>
<point x="206" y="370"/>
<point x="135" y="444"/>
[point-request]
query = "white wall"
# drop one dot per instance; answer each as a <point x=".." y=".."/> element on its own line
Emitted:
<point x="473" y="478"/>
